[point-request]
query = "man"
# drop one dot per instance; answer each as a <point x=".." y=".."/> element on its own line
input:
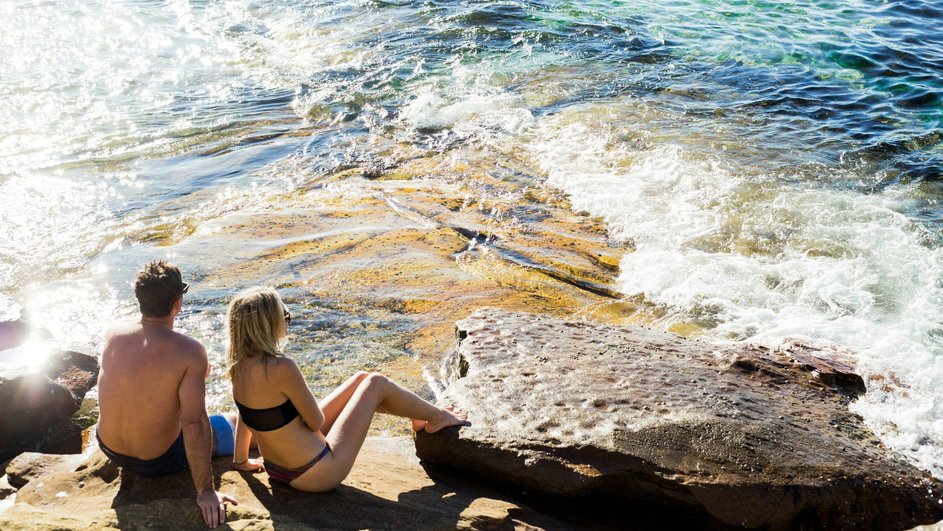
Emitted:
<point x="151" y="393"/>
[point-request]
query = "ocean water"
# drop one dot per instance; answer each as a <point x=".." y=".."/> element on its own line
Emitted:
<point x="776" y="166"/>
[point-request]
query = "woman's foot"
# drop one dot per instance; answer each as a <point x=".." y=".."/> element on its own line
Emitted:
<point x="419" y="424"/>
<point x="448" y="416"/>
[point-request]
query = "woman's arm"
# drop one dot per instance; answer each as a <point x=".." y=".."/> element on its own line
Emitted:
<point x="296" y="389"/>
<point x="240" y="456"/>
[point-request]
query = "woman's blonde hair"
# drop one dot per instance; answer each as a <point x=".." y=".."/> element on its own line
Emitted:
<point x="255" y="319"/>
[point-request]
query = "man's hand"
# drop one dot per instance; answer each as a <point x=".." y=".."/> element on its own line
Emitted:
<point x="250" y="465"/>
<point x="211" y="504"/>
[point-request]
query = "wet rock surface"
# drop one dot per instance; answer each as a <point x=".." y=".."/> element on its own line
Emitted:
<point x="37" y="399"/>
<point x="376" y="271"/>
<point x="731" y="435"/>
<point x="387" y="489"/>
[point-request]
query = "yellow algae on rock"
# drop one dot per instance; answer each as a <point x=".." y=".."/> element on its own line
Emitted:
<point x="686" y="329"/>
<point x="376" y="271"/>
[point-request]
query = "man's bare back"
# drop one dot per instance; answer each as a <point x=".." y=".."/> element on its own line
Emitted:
<point x="138" y="386"/>
<point x="151" y="392"/>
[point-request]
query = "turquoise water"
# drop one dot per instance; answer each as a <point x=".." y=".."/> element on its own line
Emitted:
<point x="776" y="166"/>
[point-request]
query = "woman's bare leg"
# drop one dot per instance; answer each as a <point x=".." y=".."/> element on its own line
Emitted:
<point x="351" y="425"/>
<point x="334" y="403"/>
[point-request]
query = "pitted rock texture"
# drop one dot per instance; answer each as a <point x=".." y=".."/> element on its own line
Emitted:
<point x="36" y="398"/>
<point x="387" y="489"/>
<point x="734" y="435"/>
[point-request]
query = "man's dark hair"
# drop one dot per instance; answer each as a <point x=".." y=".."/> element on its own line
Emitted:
<point x="157" y="287"/>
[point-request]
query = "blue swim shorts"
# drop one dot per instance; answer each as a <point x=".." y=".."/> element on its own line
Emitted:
<point x="224" y="439"/>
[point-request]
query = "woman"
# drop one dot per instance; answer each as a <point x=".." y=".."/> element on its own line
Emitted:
<point x="306" y="445"/>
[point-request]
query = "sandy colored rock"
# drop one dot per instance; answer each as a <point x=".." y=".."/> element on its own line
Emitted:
<point x="387" y="489"/>
<point x="377" y="270"/>
<point x="734" y="435"/>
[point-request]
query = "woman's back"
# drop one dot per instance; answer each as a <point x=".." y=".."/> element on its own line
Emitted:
<point x="307" y="445"/>
<point x="261" y="388"/>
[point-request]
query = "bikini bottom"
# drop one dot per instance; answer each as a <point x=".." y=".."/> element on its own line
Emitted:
<point x="287" y="475"/>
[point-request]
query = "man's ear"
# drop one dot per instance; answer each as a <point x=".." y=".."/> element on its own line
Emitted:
<point x="177" y="305"/>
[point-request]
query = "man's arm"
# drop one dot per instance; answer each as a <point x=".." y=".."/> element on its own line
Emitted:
<point x="197" y="439"/>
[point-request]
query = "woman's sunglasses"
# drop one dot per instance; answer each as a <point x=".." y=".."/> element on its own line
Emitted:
<point x="287" y="317"/>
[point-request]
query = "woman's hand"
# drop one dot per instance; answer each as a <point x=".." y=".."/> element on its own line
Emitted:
<point x="249" y="465"/>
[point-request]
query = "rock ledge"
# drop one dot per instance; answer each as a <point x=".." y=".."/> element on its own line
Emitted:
<point x="387" y="489"/>
<point x="730" y="435"/>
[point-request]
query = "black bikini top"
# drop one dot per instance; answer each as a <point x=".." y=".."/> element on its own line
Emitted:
<point x="267" y="419"/>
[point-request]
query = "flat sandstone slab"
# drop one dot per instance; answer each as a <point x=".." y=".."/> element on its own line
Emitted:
<point x="387" y="489"/>
<point x="725" y="435"/>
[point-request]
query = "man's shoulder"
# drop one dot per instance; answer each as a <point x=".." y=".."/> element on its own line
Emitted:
<point x="122" y="328"/>
<point x="187" y="345"/>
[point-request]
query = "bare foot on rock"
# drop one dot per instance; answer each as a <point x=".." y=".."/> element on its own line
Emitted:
<point x="419" y="424"/>
<point x="448" y="416"/>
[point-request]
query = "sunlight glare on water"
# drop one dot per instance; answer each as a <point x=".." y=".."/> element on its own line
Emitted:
<point x="49" y="225"/>
<point x="91" y="79"/>
<point x="78" y="308"/>
<point x="30" y="356"/>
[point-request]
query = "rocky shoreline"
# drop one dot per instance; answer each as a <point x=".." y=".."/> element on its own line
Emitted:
<point x="387" y="489"/>
<point x="572" y="424"/>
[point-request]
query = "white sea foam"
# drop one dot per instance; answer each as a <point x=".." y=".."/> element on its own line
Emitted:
<point x="468" y="112"/>
<point x="752" y="259"/>
<point x="281" y="46"/>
